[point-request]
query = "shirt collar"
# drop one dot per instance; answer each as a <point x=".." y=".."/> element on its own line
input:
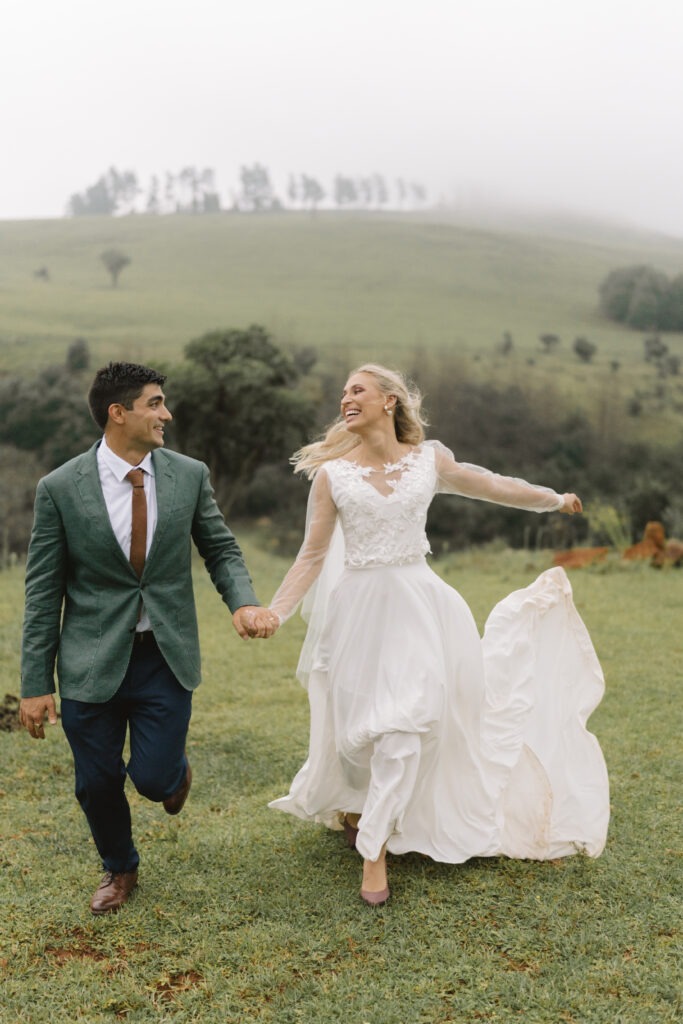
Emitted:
<point x="118" y="466"/>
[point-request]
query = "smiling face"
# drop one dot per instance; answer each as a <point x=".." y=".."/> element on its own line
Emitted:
<point x="362" y="403"/>
<point x="141" y="428"/>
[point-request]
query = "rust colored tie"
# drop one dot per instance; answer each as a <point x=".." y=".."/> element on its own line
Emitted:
<point x="138" y="535"/>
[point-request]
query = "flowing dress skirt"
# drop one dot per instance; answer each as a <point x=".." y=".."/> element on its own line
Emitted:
<point x="448" y="744"/>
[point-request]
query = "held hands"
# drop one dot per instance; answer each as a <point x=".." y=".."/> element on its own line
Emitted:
<point x="572" y="504"/>
<point x="32" y="714"/>
<point x="252" y="621"/>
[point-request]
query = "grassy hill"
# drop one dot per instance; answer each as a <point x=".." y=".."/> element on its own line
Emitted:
<point x="355" y="286"/>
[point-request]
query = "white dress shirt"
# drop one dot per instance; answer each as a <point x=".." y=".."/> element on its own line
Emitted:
<point x="117" y="493"/>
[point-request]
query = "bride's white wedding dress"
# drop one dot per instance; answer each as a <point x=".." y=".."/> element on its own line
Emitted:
<point x="445" y="743"/>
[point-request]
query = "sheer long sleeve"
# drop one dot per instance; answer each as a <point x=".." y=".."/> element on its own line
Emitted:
<point x="475" y="482"/>
<point x="320" y="523"/>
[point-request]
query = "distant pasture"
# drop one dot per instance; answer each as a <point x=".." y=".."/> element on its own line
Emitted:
<point x="397" y="288"/>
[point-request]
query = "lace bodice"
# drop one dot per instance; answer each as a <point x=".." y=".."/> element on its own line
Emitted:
<point x="382" y="513"/>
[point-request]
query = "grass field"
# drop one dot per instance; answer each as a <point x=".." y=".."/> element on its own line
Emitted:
<point x="384" y="283"/>
<point x="357" y="287"/>
<point x="245" y="915"/>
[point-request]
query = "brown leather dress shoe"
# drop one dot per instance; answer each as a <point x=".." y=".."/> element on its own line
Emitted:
<point x="113" y="891"/>
<point x="174" y="804"/>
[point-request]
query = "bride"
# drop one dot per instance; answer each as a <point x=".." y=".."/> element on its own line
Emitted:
<point x="423" y="736"/>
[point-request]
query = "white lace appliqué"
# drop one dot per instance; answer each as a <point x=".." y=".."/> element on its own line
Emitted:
<point x="383" y="514"/>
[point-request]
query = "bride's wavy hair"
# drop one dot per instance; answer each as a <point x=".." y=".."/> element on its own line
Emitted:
<point x="337" y="441"/>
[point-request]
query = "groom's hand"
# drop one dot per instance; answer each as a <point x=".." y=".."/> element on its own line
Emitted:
<point x="253" y="621"/>
<point x="32" y="714"/>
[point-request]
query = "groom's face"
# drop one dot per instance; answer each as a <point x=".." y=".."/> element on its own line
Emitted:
<point x="144" y="423"/>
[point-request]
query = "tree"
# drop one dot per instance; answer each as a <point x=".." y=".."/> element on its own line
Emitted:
<point x="257" y="191"/>
<point x="638" y="296"/>
<point x="293" y="189"/>
<point x="20" y="472"/>
<point x="96" y="199"/>
<point x="312" y="192"/>
<point x="345" y="191"/>
<point x="507" y="344"/>
<point x="114" y="260"/>
<point x="237" y="405"/>
<point x="153" y="200"/>
<point x="211" y="202"/>
<point x="655" y="349"/>
<point x="58" y="426"/>
<point x="672" y="311"/>
<point x="380" y="188"/>
<point x="189" y="180"/>
<point x="170" y="200"/>
<point x="646" y="304"/>
<point x="197" y="191"/>
<point x="113" y="192"/>
<point x="78" y="356"/>
<point x="365" y="190"/>
<point x="615" y="292"/>
<point x="584" y="349"/>
<point x="549" y="341"/>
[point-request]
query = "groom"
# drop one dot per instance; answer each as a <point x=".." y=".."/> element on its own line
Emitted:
<point x="109" y="598"/>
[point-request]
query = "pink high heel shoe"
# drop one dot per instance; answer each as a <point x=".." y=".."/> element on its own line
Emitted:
<point x="375" y="899"/>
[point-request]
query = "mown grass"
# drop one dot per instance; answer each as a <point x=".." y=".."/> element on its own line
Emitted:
<point x="246" y="915"/>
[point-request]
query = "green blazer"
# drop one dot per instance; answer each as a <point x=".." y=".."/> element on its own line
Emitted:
<point x="83" y="596"/>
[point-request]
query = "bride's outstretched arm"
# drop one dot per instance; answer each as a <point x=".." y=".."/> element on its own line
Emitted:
<point x="320" y="522"/>
<point x="476" y="482"/>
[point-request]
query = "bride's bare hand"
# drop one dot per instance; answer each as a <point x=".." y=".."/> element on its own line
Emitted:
<point x="572" y="504"/>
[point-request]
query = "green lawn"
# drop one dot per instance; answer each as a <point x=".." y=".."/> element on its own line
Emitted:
<point x="246" y="915"/>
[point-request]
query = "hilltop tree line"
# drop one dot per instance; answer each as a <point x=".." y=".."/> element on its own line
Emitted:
<point x="259" y="403"/>
<point x="193" y="190"/>
<point x="643" y="297"/>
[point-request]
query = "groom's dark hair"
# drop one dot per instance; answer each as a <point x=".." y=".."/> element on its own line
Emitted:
<point x="121" y="383"/>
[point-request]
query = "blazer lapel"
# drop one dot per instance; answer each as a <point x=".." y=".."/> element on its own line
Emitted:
<point x="165" y="483"/>
<point x="92" y="498"/>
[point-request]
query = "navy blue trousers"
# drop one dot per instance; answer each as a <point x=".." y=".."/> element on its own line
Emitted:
<point x="155" y="709"/>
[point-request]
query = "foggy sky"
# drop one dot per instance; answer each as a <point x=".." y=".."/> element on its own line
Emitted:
<point x="573" y="104"/>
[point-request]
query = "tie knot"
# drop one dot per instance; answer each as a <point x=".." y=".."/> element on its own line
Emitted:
<point x="136" y="477"/>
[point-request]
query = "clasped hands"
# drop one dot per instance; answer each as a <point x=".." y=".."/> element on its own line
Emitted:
<point x="253" y="621"/>
<point x="249" y="621"/>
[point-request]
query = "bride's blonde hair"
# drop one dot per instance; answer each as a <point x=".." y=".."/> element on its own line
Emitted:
<point x="409" y="422"/>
